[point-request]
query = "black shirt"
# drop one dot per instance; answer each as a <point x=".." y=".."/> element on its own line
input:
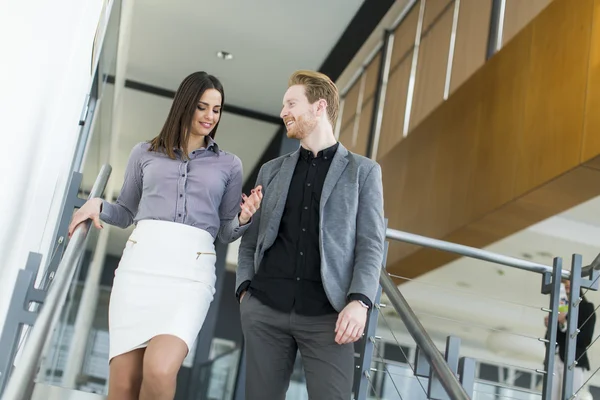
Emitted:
<point x="289" y="277"/>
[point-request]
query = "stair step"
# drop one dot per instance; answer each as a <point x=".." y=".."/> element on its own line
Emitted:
<point x="43" y="391"/>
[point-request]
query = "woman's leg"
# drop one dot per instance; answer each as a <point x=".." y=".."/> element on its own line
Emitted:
<point x="125" y="377"/>
<point x="162" y="360"/>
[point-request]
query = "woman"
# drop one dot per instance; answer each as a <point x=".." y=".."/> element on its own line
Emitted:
<point x="182" y="192"/>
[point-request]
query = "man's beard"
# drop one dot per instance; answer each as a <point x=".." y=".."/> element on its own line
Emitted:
<point x="302" y="126"/>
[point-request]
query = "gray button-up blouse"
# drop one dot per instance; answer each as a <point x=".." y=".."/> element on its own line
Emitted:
<point x="204" y="191"/>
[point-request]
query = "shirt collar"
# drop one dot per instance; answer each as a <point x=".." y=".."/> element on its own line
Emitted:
<point x="328" y="152"/>
<point x="212" y="145"/>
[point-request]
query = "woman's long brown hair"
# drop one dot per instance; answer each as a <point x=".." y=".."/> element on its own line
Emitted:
<point x="176" y="130"/>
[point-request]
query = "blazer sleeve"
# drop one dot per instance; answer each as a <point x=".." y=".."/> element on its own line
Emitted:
<point x="586" y="322"/>
<point x="247" y="249"/>
<point x="370" y="236"/>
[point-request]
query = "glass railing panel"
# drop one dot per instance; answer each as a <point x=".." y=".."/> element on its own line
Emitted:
<point x="218" y="377"/>
<point x="493" y="391"/>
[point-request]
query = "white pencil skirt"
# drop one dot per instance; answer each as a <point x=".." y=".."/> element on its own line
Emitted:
<point x="164" y="285"/>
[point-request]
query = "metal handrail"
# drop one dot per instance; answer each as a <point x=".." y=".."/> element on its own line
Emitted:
<point x="471" y="252"/>
<point x="20" y="385"/>
<point x="437" y="362"/>
<point x="220" y="356"/>
<point x="595" y="265"/>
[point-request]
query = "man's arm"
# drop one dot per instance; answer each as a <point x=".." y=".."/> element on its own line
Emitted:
<point x="370" y="238"/>
<point x="586" y="322"/>
<point x="247" y="249"/>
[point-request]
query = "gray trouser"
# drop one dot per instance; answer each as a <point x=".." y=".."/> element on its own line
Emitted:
<point x="272" y="339"/>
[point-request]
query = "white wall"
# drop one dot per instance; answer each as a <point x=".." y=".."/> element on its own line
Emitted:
<point x="45" y="73"/>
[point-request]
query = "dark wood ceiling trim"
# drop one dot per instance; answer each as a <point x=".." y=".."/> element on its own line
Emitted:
<point x="356" y="34"/>
<point x="230" y="108"/>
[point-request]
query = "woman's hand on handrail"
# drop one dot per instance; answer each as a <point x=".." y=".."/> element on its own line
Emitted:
<point x="90" y="210"/>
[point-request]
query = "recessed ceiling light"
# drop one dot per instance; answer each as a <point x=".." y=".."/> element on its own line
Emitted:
<point x="224" y="55"/>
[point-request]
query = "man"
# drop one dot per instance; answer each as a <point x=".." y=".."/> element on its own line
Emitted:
<point x="309" y="265"/>
<point x="586" y="321"/>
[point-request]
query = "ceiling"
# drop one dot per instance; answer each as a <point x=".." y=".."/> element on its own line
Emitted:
<point x="269" y="39"/>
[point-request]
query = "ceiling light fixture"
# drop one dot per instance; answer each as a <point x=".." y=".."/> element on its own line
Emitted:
<point x="224" y="55"/>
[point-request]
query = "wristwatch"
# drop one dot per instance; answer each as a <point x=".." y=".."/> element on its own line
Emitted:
<point x="362" y="303"/>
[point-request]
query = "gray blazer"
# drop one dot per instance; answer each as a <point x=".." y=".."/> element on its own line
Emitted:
<point x="352" y="228"/>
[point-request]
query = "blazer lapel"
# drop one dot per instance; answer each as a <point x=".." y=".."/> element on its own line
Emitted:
<point x="338" y="165"/>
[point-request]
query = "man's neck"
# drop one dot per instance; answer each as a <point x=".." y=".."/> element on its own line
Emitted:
<point x="320" y="139"/>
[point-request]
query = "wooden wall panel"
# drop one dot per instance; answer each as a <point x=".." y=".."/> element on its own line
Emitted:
<point x="567" y="191"/>
<point x="591" y="133"/>
<point x="356" y="137"/>
<point x="504" y="88"/>
<point x="392" y="123"/>
<point x="372" y="77"/>
<point x="404" y="36"/>
<point x="364" y="128"/>
<point x="455" y="159"/>
<point x="407" y="181"/>
<point x="518" y="13"/>
<point x="434" y="9"/>
<point x="350" y="104"/>
<point x="504" y="151"/>
<point x="471" y="39"/>
<point x="431" y="68"/>
<point x="347" y="136"/>
<point x="555" y="103"/>
<point x="594" y="163"/>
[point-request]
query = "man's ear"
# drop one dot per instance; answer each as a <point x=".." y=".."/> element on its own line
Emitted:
<point x="321" y="106"/>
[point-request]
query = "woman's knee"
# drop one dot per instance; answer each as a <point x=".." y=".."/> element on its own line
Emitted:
<point x="163" y="359"/>
<point x="160" y="373"/>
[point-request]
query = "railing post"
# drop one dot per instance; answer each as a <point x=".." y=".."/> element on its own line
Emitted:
<point x="239" y="391"/>
<point x="572" y="328"/>
<point x="72" y="202"/>
<point x="25" y="291"/>
<point x="435" y="390"/>
<point x="21" y="382"/>
<point x="435" y="359"/>
<point x="18" y="316"/>
<point x="363" y="366"/>
<point x="496" y="27"/>
<point x="551" y="286"/>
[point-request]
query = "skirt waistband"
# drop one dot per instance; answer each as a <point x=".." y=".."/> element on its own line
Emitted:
<point x="173" y="235"/>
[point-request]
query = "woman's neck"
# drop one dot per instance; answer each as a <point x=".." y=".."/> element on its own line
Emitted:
<point x="195" y="143"/>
